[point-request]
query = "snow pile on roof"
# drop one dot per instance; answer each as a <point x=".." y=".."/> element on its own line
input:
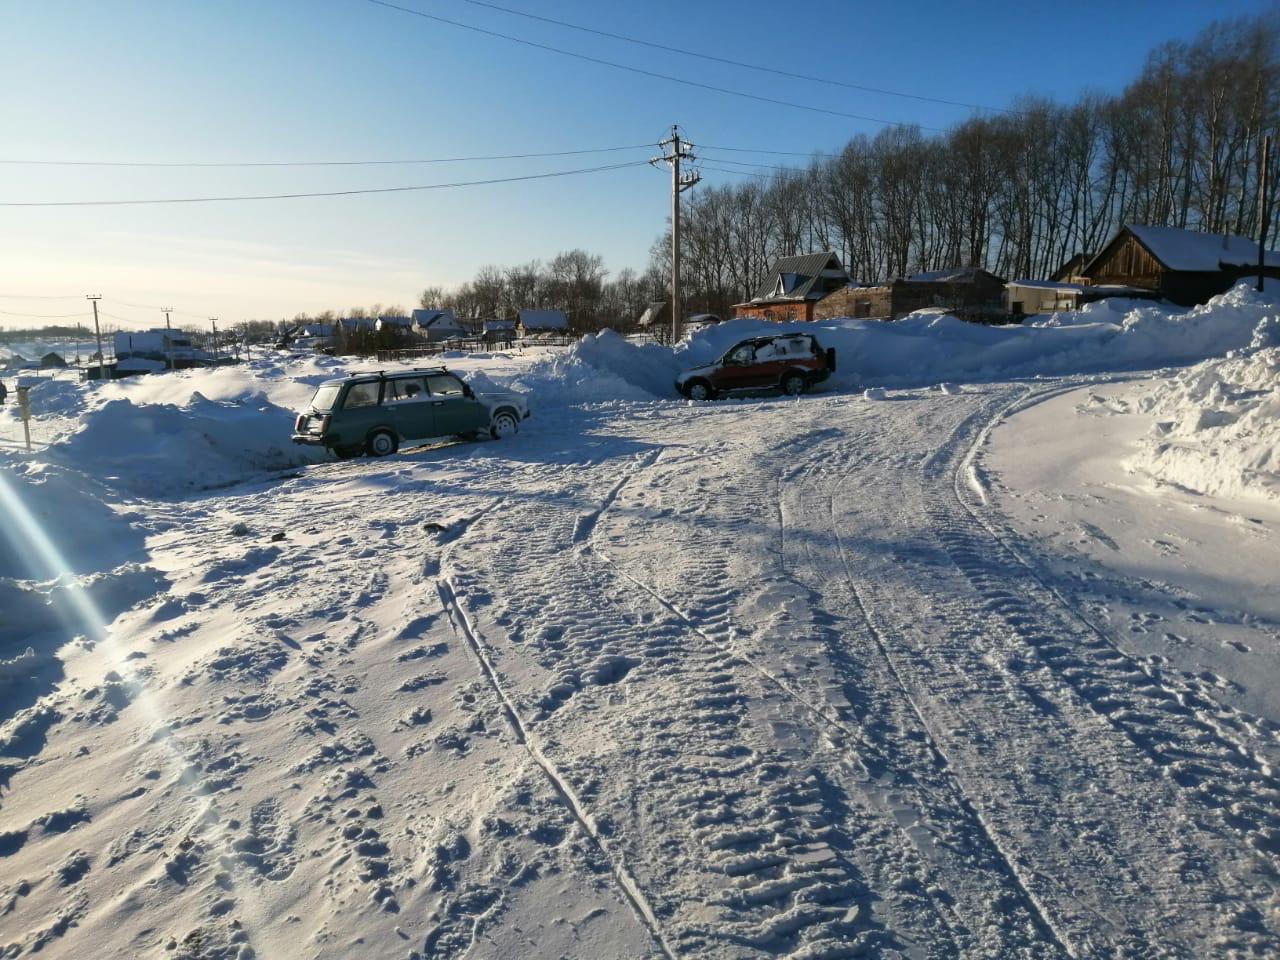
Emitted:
<point x="1218" y="430"/>
<point x="1190" y="250"/>
<point x="543" y="320"/>
<point x="600" y="368"/>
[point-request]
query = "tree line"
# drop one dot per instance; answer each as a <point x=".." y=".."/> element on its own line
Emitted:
<point x="1017" y="192"/>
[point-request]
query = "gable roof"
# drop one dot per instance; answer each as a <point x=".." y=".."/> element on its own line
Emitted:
<point x="1190" y="250"/>
<point x="543" y="319"/>
<point x="432" y="317"/>
<point x="810" y="276"/>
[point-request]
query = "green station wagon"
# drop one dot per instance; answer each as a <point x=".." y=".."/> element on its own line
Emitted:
<point x="374" y="413"/>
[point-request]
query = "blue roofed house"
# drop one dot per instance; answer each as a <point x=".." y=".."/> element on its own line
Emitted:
<point x="541" y="322"/>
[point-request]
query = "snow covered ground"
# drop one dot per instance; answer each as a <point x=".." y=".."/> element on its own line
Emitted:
<point x="947" y="663"/>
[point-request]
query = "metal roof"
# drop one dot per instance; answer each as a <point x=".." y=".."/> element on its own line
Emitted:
<point x="801" y="278"/>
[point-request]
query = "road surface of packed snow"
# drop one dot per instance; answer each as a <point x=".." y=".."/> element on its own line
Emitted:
<point x="927" y="672"/>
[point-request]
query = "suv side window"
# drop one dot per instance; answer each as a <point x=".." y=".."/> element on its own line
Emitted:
<point x="444" y="385"/>
<point x="744" y="354"/>
<point x="404" y="390"/>
<point x="361" y="395"/>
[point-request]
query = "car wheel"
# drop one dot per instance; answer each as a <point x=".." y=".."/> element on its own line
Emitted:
<point x="346" y="453"/>
<point x="699" y="390"/>
<point x="505" y="424"/>
<point x="794" y="384"/>
<point x="382" y="443"/>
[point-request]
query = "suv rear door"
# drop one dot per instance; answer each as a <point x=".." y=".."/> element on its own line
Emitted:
<point x="454" y="411"/>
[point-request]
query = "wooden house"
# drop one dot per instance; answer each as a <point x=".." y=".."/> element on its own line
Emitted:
<point x="962" y="288"/>
<point x="794" y="287"/>
<point x="1029" y="297"/>
<point x="1183" y="266"/>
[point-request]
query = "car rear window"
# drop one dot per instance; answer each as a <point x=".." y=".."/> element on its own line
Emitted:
<point x="361" y="395"/>
<point x="443" y="385"/>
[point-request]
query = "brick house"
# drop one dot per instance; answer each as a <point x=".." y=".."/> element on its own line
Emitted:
<point x="794" y="287"/>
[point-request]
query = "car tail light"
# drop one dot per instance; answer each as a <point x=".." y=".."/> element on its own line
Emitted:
<point x="324" y="423"/>
<point x="300" y="424"/>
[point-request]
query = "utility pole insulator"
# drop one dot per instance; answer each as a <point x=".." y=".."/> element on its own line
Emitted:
<point x="673" y="151"/>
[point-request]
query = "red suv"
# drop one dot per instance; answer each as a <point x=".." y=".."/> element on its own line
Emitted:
<point x="790" y="362"/>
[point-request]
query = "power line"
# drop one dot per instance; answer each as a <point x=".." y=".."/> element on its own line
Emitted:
<point x="781" y="153"/>
<point x="762" y="166"/>
<point x="640" y="70"/>
<point x="750" y="173"/>
<point x="32" y="296"/>
<point x="321" y="163"/>
<point x="327" y="193"/>
<point x="734" y="63"/>
<point x="148" y="306"/>
<point x="41" y="316"/>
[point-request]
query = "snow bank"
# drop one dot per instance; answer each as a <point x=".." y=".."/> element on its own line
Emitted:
<point x="931" y="347"/>
<point x="599" y="368"/>
<point x="83" y="533"/>
<point x="1218" y="430"/>
<point x="162" y="449"/>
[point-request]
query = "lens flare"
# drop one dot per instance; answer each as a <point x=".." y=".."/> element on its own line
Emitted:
<point x="46" y="563"/>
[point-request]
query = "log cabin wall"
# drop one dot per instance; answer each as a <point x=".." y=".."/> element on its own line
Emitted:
<point x="1127" y="262"/>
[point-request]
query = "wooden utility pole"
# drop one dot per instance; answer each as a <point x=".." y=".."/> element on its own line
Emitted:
<point x="97" y="331"/>
<point x="679" y="150"/>
<point x="1263" y="177"/>
<point x="168" y="335"/>
<point x="214" y="321"/>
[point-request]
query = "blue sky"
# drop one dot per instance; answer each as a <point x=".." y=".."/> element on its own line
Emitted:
<point x="254" y="80"/>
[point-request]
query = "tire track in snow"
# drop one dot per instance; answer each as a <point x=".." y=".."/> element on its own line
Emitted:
<point x="941" y="763"/>
<point x="626" y="881"/>
<point x="966" y="661"/>
<point x="1175" y="713"/>
<point x="764" y="830"/>
<point x="825" y="717"/>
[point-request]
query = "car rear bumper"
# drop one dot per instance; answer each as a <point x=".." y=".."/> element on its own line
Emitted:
<point x="310" y="439"/>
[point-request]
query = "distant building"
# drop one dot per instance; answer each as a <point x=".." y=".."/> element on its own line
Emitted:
<point x="959" y="288"/>
<point x="1185" y="267"/>
<point x="794" y="286"/>
<point x="158" y="345"/>
<point x="1029" y="297"/>
<point x="498" y="331"/>
<point x="52" y="361"/>
<point x="541" y="321"/>
<point x="394" y="324"/>
<point x="436" y="325"/>
<point x="1072" y="268"/>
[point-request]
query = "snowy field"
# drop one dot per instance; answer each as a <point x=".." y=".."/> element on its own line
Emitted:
<point x="973" y="653"/>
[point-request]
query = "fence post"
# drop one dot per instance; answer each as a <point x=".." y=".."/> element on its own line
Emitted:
<point x="24" y="405"/>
